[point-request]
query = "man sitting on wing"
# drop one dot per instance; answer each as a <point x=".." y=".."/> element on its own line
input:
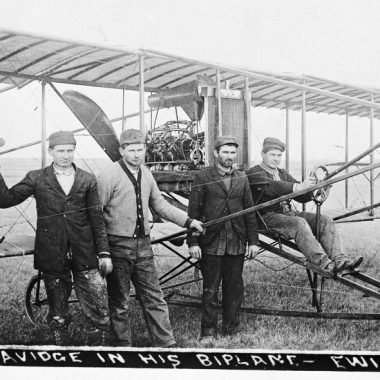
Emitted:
<point x="327" y="254"/>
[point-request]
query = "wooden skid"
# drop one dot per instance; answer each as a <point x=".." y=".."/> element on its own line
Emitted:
<point x="287" y="313"/>
<point x="17" y="245"/>
<point x="364" y="277"/>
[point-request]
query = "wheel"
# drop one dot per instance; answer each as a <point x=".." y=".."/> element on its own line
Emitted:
<point x="320" y="173"/>
<point x="36" y="303"/>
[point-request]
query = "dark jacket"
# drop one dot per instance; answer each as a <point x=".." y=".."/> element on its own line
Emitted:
<point x="210" y="200"/>
<point x="264" y="188"/>
<point x="75" y="219"/>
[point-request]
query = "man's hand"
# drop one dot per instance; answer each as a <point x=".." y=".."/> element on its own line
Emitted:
<point x="195" y="252"/>
<point x="253" y="250"/>
<point x="308" y="182"/>
<point x="196" y="224"/>
<point x="322" y="191"/>
<point x="105" y="266"/>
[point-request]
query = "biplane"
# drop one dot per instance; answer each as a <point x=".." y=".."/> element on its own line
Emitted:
<point x="213" y="100"/>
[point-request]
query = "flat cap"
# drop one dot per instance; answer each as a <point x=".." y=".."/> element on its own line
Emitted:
<point x="225" y="140"/>
<point x="61" y="138"/>
<point x="273" y="143"/>
<point x="132" y="136"/>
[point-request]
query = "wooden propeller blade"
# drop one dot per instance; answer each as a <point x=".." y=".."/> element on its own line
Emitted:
<point x="95" y="121"/>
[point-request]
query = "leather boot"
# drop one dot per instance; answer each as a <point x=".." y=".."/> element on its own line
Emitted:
<point x="59" y="328"/>
<point x="61" y="337"/>
<point x="336" y="267"/>
<point x="97" y="337"/>
<point x="354" y="262"/>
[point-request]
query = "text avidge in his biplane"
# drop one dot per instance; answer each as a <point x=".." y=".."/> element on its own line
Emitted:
<point x="71" y="241"/>
<point x="268" y="182"/>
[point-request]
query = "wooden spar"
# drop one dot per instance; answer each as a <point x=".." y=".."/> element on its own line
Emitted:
<point x="123" y="123"/>
<point x="73" y="82"/>
<point x="272" y="202"/>
<point x="43" y="124"/>
<point x="339" y="83"/>
<point x="351" y="162"/>
<point x="287" y="139"/>
<point x="204" y="125"/>
<point x="141" y="94"/>
<point x="303" y="139"/>
<point x="358" y="211"/>
<point x="371" y="158"/>
<point x="286" y="313"/>
<point x="247" y="98"/>
<point x="346" y="160"/>
<point x="369" y="219"/>
<point x="219" y="99"/>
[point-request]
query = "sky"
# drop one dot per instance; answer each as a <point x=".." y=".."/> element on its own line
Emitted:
<point x="333" y="39"/>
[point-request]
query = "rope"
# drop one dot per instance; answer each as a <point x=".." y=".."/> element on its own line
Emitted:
<point x="273" y="269"/>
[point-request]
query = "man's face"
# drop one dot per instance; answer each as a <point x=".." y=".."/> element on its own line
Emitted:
<point x="63" y="155"/>
<point x="272" y="158"/>
<point x="133" y="154"/>
<point x="226" y="155"/>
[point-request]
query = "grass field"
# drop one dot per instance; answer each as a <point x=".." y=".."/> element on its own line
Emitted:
<point x="270" y="283"/>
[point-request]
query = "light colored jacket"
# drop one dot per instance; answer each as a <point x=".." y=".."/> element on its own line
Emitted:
<point x="118" y="198"/>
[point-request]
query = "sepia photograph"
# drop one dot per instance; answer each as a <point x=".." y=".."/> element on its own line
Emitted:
<point x="190" y="184"/>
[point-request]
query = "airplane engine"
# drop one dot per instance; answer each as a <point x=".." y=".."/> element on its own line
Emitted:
<point x="175" y="146"/>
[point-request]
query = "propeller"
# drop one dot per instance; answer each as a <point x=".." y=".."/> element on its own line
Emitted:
<point x="95" y="121"/>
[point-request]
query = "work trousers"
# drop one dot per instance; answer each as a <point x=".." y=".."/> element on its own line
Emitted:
<point x="133" y="261"/>
<point x="227" y="269"/>
<point x="302" y="227"/>
<point x="91" y="291"/>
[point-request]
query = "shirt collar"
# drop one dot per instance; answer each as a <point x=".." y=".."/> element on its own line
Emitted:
<point x="67" y="172"/>
<point x="221" y="171"/>
<point x="269" y="170"/>
<point x="132" y="169"/>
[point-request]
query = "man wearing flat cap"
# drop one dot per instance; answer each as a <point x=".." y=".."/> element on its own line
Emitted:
<point x="71" y="240"/>
<point x="218" y="191"/>
<point x="268" y="182"/>
<point x="127" y="191"/>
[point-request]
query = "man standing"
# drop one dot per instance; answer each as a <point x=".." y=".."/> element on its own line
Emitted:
<point x="218" y="191"/>
<point x="127" y="190"/>
<point x="70" y="238"/>
<point x="328" y="254"/>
